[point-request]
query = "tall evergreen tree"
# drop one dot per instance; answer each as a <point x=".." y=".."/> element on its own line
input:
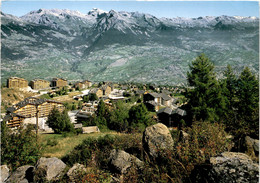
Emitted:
<point x="248" y="96"/>
<point x="229" y="90"/>
<point x="102" y="114"/>
<point x="205" y="101"/>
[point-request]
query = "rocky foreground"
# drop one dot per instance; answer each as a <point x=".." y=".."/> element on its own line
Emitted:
<point x="227" y="167"/>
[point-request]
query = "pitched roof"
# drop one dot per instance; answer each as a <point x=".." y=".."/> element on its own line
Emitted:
<point x="169" y="111"/>
<point x="29" y="100"/>
<point x="152" y="103"/>
<point x="155" y="95"/>
<point x="11" y="115"/>
<point x="180" y="112"/>
<point x="165" y="97"/>
<point x="166" y="110"/>
<point x="140" y="92"/>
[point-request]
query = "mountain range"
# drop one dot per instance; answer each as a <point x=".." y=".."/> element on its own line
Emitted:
<point x="122" y="46"/>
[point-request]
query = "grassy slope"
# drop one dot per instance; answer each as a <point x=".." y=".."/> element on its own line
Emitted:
<point x="10" y="96"/>
<point x="66" y="144"/>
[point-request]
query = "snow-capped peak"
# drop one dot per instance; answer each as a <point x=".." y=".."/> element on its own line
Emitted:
<point x="96" y="12"/>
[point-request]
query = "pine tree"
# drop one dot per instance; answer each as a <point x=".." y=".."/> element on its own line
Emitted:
<point x="102" y="113"/>
<point x="229" y="90"/>
<point x="248" y="96"/>
<point x="205" y="101"/>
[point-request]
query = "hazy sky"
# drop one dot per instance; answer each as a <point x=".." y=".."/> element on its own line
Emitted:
<point x="159" y="9"/>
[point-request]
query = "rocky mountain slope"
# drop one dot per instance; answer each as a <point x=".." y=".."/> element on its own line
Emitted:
<point x="122" y="46"/>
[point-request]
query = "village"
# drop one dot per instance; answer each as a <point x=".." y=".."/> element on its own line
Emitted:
<point x="81" y="100"/>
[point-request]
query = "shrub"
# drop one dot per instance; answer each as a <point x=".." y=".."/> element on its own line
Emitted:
<point x="52" y="142"/>
<point x="96" y="152"/>
<point x="19" y="147"/>
<point x="206" y="140"/>
<point x="60" y="122"/>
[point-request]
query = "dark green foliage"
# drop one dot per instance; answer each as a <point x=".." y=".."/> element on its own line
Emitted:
<point x="204" y="98"/>
<point x="19" y="147"/>
<point x="93" y="97"/>
<point x="45" y="96"/>
<point x="86" y="98"/>
<point x="138" y="117"/>
<point x="80" y="105"/>
<point x="63" y="91"/>
<point x="102" y="114"/>
<point x="52" y="142"/>
<point x="60" y="122"/>
<point x="98" y="150"/>
<point x="248" y="105"/>
<point x="118" y="117"/>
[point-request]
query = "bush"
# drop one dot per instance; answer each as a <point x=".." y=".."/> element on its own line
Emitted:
<point x="19" y="147"/>
<point x="60" y="122"/>
<point x="52" y="142"/>
<point x="206" y="140"/>
<point x="96" y="151"/>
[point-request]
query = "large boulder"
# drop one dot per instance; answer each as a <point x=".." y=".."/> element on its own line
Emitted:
<point x="252" y="145"/>
<point x="4" y="173"/>
<point x="22" y="174"/>
<point x="229" y="167"/>
<point x="75" y="171"/>
<point x="120" y="161"/>
<point x="48" y="169"/>
<point x="157" y="138"/>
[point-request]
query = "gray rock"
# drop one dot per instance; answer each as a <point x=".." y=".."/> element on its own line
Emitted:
<point x="120" y="161"/>
<point x="21" y="174"/>
<point x="4" y="173"/>
<point x="74" y="172"/>
<point x="252" y="144"/>
<point x="156" y="139"/>
<point x="229" y="167"/>
<point x="47" y="169"/>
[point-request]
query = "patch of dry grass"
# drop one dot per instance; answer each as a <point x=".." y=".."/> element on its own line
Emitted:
<point x="65" y="144"/>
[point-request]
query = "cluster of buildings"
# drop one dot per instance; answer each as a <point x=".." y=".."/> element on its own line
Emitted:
<point x="168" y="111"/>
<point x="166" y="107"/>
<point x="29" y="109"/>
<point x="39" y="84"/>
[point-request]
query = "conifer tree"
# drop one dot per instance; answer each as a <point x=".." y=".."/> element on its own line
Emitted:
<point x="248" y="96"/>
<point x="205" y="101"/>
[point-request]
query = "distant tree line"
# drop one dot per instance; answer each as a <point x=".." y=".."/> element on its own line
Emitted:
<point x="120" y="117"/>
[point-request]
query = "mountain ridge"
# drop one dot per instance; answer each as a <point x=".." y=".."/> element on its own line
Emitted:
<point x="103" y="45"/>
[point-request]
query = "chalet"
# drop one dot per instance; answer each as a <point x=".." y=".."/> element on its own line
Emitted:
<point x="13" y="120"/>
<point x="85" y="113"/>
<point x="97" y="91"/>
<point x="171" y="117"/>
<point x="153" y="97"/>
<point x="79" y="85"/>
<point x="82" y="85"/>
<point x="152" y="105"/>
<point x="59" y="82"/>
<point x="38" y="84"/>
<point x="165" y="100"/>
<point x="15" y="82"/>
<point x="29" y="106"/>
<point x="167" y="92"/>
